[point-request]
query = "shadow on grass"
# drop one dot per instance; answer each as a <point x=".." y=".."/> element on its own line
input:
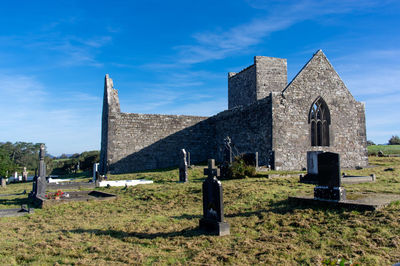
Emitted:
<point x="187" y="216"/>
<point x="122" y="234"/>
<point x="17" y="201"/>
<point x="287" y="206"/>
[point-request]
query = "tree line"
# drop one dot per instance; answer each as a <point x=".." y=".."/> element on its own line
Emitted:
<point x="16" y="156"/>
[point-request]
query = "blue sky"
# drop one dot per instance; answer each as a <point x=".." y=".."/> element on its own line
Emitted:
<point x="172" y="57"/>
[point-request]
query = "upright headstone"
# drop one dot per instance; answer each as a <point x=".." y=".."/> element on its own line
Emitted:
<point x="25" y="175"/>
<point x="95" y="169"/>
<point x="329" y="178"/>
<point x="251" y="158"/>
<point x="183" y="167"/>
<point x="41" y="185"/>
<point x="3" y="182"/>
<point x="213" y="206"/>
<point x="312" y="168"/>
<point x="188" y="160"/>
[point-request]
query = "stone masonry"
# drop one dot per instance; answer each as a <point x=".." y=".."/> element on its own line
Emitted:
<point x="265" y="115"/>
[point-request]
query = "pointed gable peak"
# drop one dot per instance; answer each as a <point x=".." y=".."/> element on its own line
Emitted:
<point x="317" y="56"/>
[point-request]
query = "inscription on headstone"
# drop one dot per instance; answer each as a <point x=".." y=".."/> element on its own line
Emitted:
<point x="213" y="206"/>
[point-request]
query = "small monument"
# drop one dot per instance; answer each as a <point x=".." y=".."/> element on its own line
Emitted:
<point x="3" y="182"/>
<point x="95" y="169"/>
<point x="183" y="167"/>
<point x="312" y="168"/>
<point x="213" y="206"/>
<point x="40" y="182"/>
<point x="329" y="178"/>
<point x="25" y="175"/>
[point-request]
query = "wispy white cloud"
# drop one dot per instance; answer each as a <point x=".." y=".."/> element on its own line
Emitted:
<point x="213" y="45"/>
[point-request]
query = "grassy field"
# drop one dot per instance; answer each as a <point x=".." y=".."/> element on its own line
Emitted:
<point x="386" y="149"/>
<point x="157" y="224"/>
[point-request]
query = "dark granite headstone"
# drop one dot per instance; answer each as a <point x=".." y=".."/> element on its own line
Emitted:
<point x="183" y="167"/>
<point x="329" y="178"/>
<point x="213" y="206"/>
<point x="250" y="158"/>
<point x="329" y="169"/>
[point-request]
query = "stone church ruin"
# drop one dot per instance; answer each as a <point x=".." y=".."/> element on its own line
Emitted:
<point x="280" y="121"/>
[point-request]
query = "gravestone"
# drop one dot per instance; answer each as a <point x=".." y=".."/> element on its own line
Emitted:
<point x="312" y="168"/>
<point x="329" y="178"/>
<point x="213" y="206"/>
<point x="41" y="182"/>
<point x="188" y="160"/>
<point x="183" y="167"/>
<point x="95" y="169"/>
<point x="228" y="154"/>
<point x="251" y="158"/>
<point x="3" y="182"/>
<point x="25" y="175"/>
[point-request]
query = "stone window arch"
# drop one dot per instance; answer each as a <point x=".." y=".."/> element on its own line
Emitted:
<point x="319" y="119"/>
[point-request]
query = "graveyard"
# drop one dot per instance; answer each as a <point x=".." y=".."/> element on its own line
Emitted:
<point x="159" y="223"/>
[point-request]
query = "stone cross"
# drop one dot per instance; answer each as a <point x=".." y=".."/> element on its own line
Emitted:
<point x="211" y="171"/>
<point x="228" y="155"/>
<point x="41" y="183"/>
<point x="213" y="206"/>
<point x="183" y="167"/>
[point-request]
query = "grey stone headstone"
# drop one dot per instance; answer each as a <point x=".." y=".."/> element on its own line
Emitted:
<point x="312" y="162"/>
<point x="213" y="206"/>
<point x="24" y="175"/>
<point x="3" y="182"/>
<point x="95" y="169"/>
<point x="228" y="154"/>
<point x="183" y="167"/>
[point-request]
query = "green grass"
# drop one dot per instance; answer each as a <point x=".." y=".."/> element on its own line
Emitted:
<point x="386" y="149"/>
<point x="157" y="224"/>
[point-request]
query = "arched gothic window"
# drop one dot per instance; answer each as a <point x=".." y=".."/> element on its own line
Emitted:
<point x="320" y="119"/>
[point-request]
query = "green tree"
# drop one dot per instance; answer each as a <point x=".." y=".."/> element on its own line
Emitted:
<point x="6" y="165"/>
<point x="394" y="140"/>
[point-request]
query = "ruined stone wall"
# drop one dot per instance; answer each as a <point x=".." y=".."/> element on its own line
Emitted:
<point x="242" y="87"/>
<point x="249" y="127"/>
<point x="291" y="130"/>
<point x="147" y="141"/>
<point x="271" y="75"/>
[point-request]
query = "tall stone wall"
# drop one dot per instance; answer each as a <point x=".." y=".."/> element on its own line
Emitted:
<point x="271" y="75"/>
<point x="291" y="130"/>
<point x="249" y="127"/>
<point x="266" y="75"/>
<point x="146" y="141"/>
<point x="242" y="87"/>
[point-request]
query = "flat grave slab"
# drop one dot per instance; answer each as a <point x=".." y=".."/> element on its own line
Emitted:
<point x="24" y="210"/>
<point x="359" y="201"/>
<point x="123" y="183"/>
<point x="74" y="196"/>
<point x="352" y="179"/>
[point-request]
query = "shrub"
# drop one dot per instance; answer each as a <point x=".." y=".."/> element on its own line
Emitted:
<point x="239" y="169"/>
